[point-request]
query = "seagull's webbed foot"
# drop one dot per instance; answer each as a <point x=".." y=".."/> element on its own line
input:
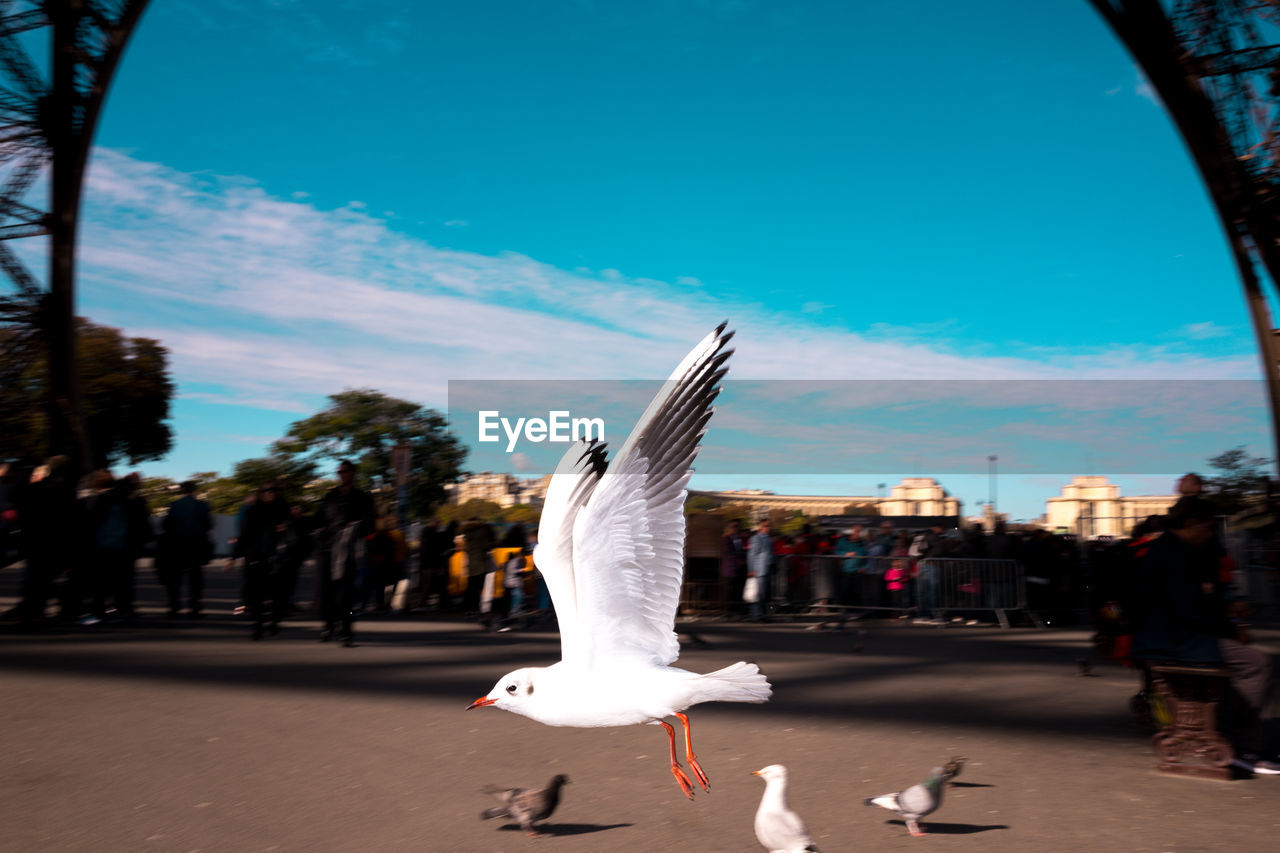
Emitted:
<point x="676" y="770"/>
<point x="683" y="780"/>
<point x="690" y="757"/>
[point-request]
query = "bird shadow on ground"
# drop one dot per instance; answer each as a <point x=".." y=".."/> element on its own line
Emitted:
<point x="971" y="785"/>
<point x="951" y="828"/>
<point x="569" y="828"/>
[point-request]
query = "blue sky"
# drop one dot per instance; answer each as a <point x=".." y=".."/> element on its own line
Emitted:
<point x="301" y="197"/>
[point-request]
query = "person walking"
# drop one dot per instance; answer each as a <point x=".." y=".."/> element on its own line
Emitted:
<point x="184" y="549"/>
<point x="477" y="542"/>
<point x="263" y="541"/>
<point x="52" y="528"/>
<point x="345" y="519"/>
<point x="733" y="560"/>
<point x="760" y="567"/>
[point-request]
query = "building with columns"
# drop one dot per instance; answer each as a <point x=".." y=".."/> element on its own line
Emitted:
<point x="919" y="496"/>
<point x="503" y="489"/>
<point x="1091" y="506"/>
<point x="914" y="496"/>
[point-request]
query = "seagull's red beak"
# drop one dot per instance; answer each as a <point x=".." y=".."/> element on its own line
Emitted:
<point x="481" y="702"/>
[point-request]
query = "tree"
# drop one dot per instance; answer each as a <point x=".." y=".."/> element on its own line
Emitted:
<point x="521" y="514"/>
<point x="158" y="492"/>
<point x="861" y="509"/>
<point x="789" y="522"/>
<point x="699" y="503"/>
<point x="1241" y="479"/>
<point x="125" y="388"/>
<point x="363" y="425"/>
<point x="474" y="508"/>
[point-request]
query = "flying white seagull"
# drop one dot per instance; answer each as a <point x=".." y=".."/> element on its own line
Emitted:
<point x="611" y="548"/>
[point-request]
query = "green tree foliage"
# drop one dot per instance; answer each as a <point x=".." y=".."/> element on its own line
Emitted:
<point x="125" y="389"/>
<point x="1240" y="479"/>
<point x="521" y="514"/>
<point x="224" y="494"/>
<point x="158" y="492"/>
<point x="699" y="503"/>
<point x="474" y="508"/>
<point x="363" y="425"/>
<point x="789" y="522"/>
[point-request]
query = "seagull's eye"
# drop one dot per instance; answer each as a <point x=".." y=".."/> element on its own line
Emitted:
<point x="511" y="688"/>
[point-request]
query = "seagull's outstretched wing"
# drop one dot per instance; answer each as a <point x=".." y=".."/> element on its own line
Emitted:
<point x="628" y="542"/>
<point x="571" y="486"/>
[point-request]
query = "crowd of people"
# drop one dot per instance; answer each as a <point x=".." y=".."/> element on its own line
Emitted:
<point x="883" y="566"/>
<point x="81" y="540"/>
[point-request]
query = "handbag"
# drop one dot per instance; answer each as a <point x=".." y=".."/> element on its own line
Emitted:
<point x="751" y="590"/>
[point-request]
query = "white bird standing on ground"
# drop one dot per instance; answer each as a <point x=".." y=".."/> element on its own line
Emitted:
<point x="778" y="828"/>
<point x="611" y="548"/>
<point x="915" y="802"/>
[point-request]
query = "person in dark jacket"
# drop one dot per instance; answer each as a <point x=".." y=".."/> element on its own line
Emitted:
<point x="434" y="546"/>
<point x="1183" y="618"/>
<point x="99" y="575"/>
<point x="733" y="563"/>
<point x="478" y="541"/>
<point x="262" y="539"/>
<point x="184" y="548"/>
<point x="51" y="526"/>
<point x="345" y="519"/>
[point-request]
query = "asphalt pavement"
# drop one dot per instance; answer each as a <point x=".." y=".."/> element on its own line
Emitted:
<point x="188" y="736"/>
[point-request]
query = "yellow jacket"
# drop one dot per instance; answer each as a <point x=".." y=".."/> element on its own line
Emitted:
<point x="500" y="556"/>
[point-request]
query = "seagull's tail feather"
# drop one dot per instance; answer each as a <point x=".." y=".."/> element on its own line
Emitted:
<point x="496" y="811"/>
<point x="739" y="682"/>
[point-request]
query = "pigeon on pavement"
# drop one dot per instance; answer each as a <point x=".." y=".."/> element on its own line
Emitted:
<point x="523" y="806"/>
<point x="778" y="828"/>
<point x="611" y="550"/>
<point x="914" y="802"/>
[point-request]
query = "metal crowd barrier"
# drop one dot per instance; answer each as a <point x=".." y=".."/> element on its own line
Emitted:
<point x="1260" y="586"/>
<point x="927" y="587"/>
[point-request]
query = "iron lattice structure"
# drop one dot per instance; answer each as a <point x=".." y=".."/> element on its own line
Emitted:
<point x="48" y="113"/>
<point x="1216" y="66"/>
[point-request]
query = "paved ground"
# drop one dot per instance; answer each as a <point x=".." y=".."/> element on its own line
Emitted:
<point x="188" y="736"/>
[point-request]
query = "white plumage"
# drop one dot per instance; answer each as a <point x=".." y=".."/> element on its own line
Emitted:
<point x="611" y="548"/>
<point x="778" y="828"/>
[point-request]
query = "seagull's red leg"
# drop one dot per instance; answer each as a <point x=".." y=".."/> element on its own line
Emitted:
<point x="690" y="757"/>
<point x="685" y="784"/>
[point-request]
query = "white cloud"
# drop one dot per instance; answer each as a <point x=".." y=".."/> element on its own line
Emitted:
<point x="276" y="303"/>
<point x="1205" y="331"/>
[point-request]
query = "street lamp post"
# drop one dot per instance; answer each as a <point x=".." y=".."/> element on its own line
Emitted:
<point x="991" y="495"/>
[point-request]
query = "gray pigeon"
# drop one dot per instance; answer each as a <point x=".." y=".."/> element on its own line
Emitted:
<point x="778" y="828"/>
<point x="915" y="802"/>
<point x="523" y="806"/>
